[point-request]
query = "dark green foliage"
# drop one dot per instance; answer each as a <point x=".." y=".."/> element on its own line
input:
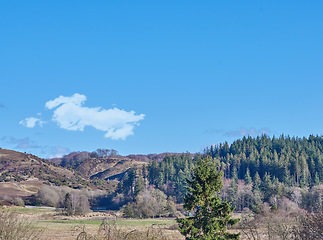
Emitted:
<point x="211" y="214"/>
<point x="172" y="170"/>
<point x="247" y="177"/>
<point x="293" y="161"/>
<point x="128" y="182"/>
<point x="275" y="166"/>
<point x="139" y="185"/>
<point x="128" y="211"/>
<point x="68" y="206"/>
<point x="256" y="182"/>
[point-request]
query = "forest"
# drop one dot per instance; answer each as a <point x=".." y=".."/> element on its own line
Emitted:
<point x="281" y="172"/>
<point x="267" y="187"/>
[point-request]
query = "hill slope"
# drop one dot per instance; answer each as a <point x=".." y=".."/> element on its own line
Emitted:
<point x="22" y="167"/>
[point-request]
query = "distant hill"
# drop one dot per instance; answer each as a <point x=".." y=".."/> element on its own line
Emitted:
<point x="150" y="157"/>
<point x="107" y="168"/>
<point x="92" y="165"/>
<point x="22" y="174"/>
<point x="17" y="166"/>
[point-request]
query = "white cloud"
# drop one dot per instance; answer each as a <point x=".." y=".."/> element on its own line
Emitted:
<point x="31" y="122"/>
<point x="70" y="114"/>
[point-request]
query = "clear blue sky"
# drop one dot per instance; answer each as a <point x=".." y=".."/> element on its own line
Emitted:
<point x="194" y="73"/>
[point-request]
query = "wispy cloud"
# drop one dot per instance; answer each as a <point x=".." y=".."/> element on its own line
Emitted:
<point x="54" y="151"/>
<point x="70" y="114"/>
<point x="20" y="143"/>
<point x="247" y="132"/>
<point x="31" y="122"/>
<point x="26" y="144"/>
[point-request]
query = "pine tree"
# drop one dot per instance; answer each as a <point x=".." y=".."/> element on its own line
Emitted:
<point x="139" y="186"/>
<point x="247" y="177"/>
<point x="68" y="206"/>
<point x="257" y="182"/>
<point x="316" y="179"/>
<point x="211" y="215"/>
<point x="153" y="172"/>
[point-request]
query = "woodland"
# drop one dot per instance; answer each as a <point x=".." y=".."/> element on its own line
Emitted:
<point x="273" y="187"/>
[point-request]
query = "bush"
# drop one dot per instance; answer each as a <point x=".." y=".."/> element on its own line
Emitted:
<point x="150" y="203"/>
<point x="49" y="196"/>
<point x="76" y="203"/>
<point x="112" y="232"/>
<point x="19" y="202"/>
<point x="278" y="224"/>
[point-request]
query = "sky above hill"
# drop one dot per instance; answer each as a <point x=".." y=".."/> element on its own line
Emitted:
<point x="157" y="76"/>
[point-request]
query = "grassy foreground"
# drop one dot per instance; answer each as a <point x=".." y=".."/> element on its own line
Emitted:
<point x="53" y="225"/>
<point x="70" y="229"/>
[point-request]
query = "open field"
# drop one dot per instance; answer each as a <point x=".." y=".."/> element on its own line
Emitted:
<point x="53" y="225"/>
<point x="69" y="229"/>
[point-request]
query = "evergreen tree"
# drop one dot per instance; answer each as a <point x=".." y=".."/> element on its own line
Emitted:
<point x="257" y="182"/>
<point x="68" y="206"/>
<point x="153" y="172"/>
<point x="211" y="215"/>
<point x="316" y="179"/>
<point x="139" y="186"/>
<point x="247" y="177"/>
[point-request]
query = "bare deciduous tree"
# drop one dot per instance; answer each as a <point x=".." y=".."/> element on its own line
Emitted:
<point x="310" y="227"/>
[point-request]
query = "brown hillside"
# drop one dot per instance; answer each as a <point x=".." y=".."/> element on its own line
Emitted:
<point x="17" y="166"/>
<point x="106" y="168"/>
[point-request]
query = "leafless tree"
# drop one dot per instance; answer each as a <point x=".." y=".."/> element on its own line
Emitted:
<point x="310" y="227"/>
<point x="49" y="196"/>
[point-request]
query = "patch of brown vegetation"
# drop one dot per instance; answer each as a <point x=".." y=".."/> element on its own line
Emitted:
<point x="28" y="172"/>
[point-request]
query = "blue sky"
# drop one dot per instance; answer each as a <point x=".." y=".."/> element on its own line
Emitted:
<point x="157" y="76"/>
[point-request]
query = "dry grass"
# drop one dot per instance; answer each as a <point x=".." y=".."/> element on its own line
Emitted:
<point x="53" y="225"/>
<point x="108" y="231"/>
<point x="14" y="227"/>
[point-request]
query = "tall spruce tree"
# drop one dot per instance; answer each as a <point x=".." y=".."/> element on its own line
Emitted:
<point x="211" y="215"/>
<point x="247" y="178"/>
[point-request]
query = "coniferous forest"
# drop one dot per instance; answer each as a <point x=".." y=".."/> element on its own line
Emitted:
<point x="280" y="172"/>
<point x="263" y="186"/>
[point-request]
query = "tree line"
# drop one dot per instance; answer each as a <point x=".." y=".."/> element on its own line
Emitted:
<point x="292" y="161"/>
<point x="280" y="171"/>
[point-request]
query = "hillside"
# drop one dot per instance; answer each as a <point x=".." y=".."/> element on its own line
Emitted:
<point x="106" y="168"/>
<point x="100" y="165"/>
<point x="22" y="167"/>
<point x="21" y="172"/>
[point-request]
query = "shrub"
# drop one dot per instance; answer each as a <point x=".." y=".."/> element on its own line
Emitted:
<point x="13" y="227"/>
<point x="150" y="203"/>
<point x="76" y="203"/>
<point x="19" y="202"/>
<point x="49" y="196"/>
<point x="112" y="232"/>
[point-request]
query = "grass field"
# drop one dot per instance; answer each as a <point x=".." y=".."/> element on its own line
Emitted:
<point x="53" y="225"/>
<point x="119" y="222"/>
